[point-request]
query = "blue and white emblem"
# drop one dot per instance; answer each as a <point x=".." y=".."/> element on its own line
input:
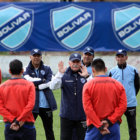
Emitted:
<point x="15" y="26"/>
<point x="42" y="72"/>
<point x="83" y="80"/>
<point x="76" y="55"/>
<point x="126" y="26"/>
<point x="72" y="25"/>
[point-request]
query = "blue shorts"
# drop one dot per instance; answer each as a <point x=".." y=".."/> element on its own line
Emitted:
<point x="26" y="132"/>
<point x="94" y="133"/>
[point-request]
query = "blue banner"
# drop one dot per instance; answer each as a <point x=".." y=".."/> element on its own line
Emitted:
<point x="65" y="26"/>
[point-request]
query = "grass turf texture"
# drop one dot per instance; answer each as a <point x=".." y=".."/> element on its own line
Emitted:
<point x="56" y="124"/>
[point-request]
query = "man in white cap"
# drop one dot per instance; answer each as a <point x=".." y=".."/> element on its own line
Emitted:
<point x="71" y="82"/>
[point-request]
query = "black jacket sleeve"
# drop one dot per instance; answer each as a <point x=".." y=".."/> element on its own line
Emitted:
<point x="136" y="82"/>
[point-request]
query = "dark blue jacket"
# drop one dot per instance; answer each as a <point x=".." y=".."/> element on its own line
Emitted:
<point x="45" y="74"/>
<point x="71" y="97"/>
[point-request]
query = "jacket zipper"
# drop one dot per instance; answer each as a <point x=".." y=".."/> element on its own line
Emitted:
<point x="75" y="86"/>
<point x="75" y="89"/>
<point x="122" y="74"/>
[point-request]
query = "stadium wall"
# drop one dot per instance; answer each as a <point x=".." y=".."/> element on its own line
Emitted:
<point x="52" y="58"/>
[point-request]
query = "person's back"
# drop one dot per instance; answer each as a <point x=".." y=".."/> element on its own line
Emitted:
<point x="16" y="97"/>
<point x="105" y="93"/>
<point x="104" y="102"/>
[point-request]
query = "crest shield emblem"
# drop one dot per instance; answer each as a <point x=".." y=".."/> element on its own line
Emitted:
<point x="15" y="26"/>
<point x="126" y="26"/>
<point x="72" y="25"/>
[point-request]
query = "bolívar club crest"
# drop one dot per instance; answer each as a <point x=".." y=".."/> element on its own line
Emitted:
<point x="72" y="25"/>
<point x="15" y="26"/>
<point x="126" y="26"/>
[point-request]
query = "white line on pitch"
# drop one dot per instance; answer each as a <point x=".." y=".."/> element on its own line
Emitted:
<point x="1" y="120"/>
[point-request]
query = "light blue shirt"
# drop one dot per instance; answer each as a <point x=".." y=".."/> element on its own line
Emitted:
<point x="43" y="103"/>
<point x="89" y="69"/>
<point x="126" y="77"/>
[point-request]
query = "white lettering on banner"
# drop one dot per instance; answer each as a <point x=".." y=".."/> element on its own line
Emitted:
<point x="13" y="24"/>
<point x="129" y="28"/>
<point x="68" y="28"/>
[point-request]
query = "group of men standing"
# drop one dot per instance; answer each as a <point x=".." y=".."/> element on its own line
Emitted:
<point x="92" y="109"/>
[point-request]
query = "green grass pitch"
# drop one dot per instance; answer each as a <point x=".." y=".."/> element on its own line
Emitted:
<point x="56" y="124"/>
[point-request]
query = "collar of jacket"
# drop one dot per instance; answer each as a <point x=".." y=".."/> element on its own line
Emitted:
<point x="122" y="66"/>
<point x="32" y="67"/>
<point x="85" y="65"/>
<point x="69" y="70"/>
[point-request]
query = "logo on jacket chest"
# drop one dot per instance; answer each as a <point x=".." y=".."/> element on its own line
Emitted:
<point x="33" y="74"/>
<point x="42" y="72"/>
<point x="82" y="80"/>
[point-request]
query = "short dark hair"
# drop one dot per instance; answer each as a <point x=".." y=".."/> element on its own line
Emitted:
<point x="16" y="67"/>
<point x="98" y="64"/>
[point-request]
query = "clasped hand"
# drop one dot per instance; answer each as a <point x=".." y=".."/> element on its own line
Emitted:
<point x="16" y="127"/>
<point x="105" y="129"/>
